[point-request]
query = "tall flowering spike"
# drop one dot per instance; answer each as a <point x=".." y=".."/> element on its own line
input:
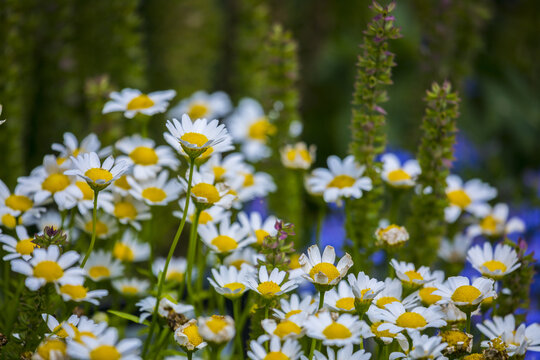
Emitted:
<point x="374" y="65"/>
<point x="435" y="154"/>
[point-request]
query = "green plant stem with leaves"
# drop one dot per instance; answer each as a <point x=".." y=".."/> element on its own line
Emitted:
<point x="94" y="220"/>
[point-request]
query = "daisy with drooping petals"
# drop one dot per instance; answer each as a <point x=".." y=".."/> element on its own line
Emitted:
<point x="130" y="250"/>
<point x="101" y="265"/>
<point x="258" y="229"/>
<point x="293" y="306"/>
<point x="471" y="197"/>
<point x="464" y="294"/>
<point x="409" y="275"/>
<point x="452" y="314"/>
<point x="131" y="287"/>
<point x="340" y="299"/>
<point x="175" y="272"/>
<point x="248" y="185"/>
<point x="62" y="330"/>
<point x="396" y="318"/>
<point x="225" y="238"/>
<point x="211" y="215"/>
<point x="105" y="346"/>
<point x="97" y="175"/>
<point x="203" y="105"/>
<point x="145" y="158"/>
<point x="129" y="210"/>
<point x="229" y="281"/>
<point x="321" y="270"/>
<point x="48" y="266"/>
<point x="344" y="330"/>
<point x="80" y="293"/>
<point x="133" y="101"/>
<point x="155" y="191"/>
<point x="22" y="247"/>
<point x="423" y="347"/>
<point x="246" y="257"/>
<point x="216" y="329"/>
<point x="298" y="156"/>
<point x="364" y="288"/>
<point x="270" y="285"/>
<point x="455" y="251"/>
<point x="51" y="349"/>
<point x="19" y="204"/>
<point x="495" y="222"/>
<point x="290" y="349"/>
<point x="517" y="340"/>
<point x="396" y="175"/>
<point x="224" y="168"/>
<point x="106" y="225"/>
<point x="393" y="292"/>
<point x="342" y="179"/>
<point x="188" y="336"/>
<point x="205" y="194"/>
<point x="71" y="146"/>
<point x="493" y="263"/>
<point x="290" y="328"/>
<point x="166" y="305"/>
<point x="391" y="235"/>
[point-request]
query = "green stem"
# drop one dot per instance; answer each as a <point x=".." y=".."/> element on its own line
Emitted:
<point x="190" y="355"/>
<point x="468" y="322"/>
<point x="238" y="322"/>
<point x="94" y="220"/>
<point x="320" y="219"/>
<point x="314" y="341"/>
<point x="14" y="308"/>
<point x="191" y="256"/>
<point x="163" y="275"/>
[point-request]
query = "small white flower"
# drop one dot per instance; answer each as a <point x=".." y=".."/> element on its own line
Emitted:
<point x="245" y="257"/>
<point x="495" y="222"/>
<point x="397" y="175"/>
<point x="62" y="330"/>
<point x="229" y="281"/>
<point x="131" y="287"/>
<point x="396" y="318"/>
<point x="291" y="328"/>
<point x="97" y="175"/>
<point x="290" y="349"/>
<point x="294" y="306"/>
<point x="344" y="330"/>
<point x="155" y="191"/>
<point x="455" y="251"/>
<point x="71" y="146"/>
<point x="175" y="271"/>
<point x="216" y="329"/>
<point x="101" y="265"/>
<point x="391" y="234"/>
<point x="80" y="293"/>
<point x="19" y="203"/>
<point x="258" y="229"/>
<point x="188" y="336"/>
<point x="204" y="192"/>
<point x="471" y="197"/>
<point x="84" y="196"/>
<point x="347" y="353"/>
<point x="425" y="294"/>
<point x="166" y="305"/>
<point x="392" y="292"/>
<point x="517" y="340"/>
<point x="203" y="105"/>
<point x="270" y="285"/>
<point x="211" y="215"/>
<point x="224" y="168"/>
<point x="225" y="238"/>
<point x="105" y="346"/>
<point x="342" y="299"/>
<point x="51" y="349"/>
<point x="130" y="250"/>
<point x="248" y="185"/>
<point x="459" y="291"/>
<point x="298" y="156"/>
<point x="423" y="347"/>
<point x="493" y="263"/>
<point x="364" y="288"/>
<point x="129" y="210"/>
<point x="22" y="247"/>
<point x="106" y="225"/>
<point x="321" y="270"/>
<point x="133" y="101"/>
<point x="409" y="275"/>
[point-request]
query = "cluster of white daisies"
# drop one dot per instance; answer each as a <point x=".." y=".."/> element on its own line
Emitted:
<point x="119" y="185"/>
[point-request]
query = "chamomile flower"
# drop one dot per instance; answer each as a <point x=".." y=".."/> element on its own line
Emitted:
<point x="423" y="347"/>
<point x="364" y="288"/>
<point x="17" y="204"/>
<point x="409" y="275"/>
<point x="145" y="158"/>
<point x="291" y="328"/>
<point x="211" y="215"/>
<point x="188" y="336"/>
<point x="105" y="346"/>
<point x="391" y="235"/>
<point x="106" y="225"/>
<point x="62" y="330"/>
<point x="101" y="265"/>
<point x="425" y="294"/>
<point x="225" y="238"/>
<point x="346" y="352"/>
<point x="393" y="292"/>
<point x="293" y="306"/>
<point x="131" y="287"/>
<point x="290" y="349"/>
<point x="229" y="281"/>
<point x="397" y="318"/>
<point x="224" y="168"/>
<point x="452" y="314"/>
<point x="340" y="299"/>
<point x="216" y="329"/>
<point x="130" y="250"/>
<point x="471" y="197"/>
<point x="397" y="175"/>
<point x="87" y="327"/>
<point x="22" y="247"/>
<point x="464" y="294"/>
<point x="51" y="349"/>
<point x="342" y="179"/>
<point x="248" y="184"/>
<point x="166" y="305"/>
<point x="84" y="196"/>
<point x="258" y="229"/>
<point x="129" y="210"/>
<point x="270" y="285"/>
<point x="251" y="128"/>
<point x="203" y="105"/>
<point x="455" y="251"/>
<point x="80" y="293"/>
<point x="132" y="101"/>
<point x="198" y="138"/>
<point x="495" y="222"/>
<point x="176" y="270"/>
<point x="517" y="340"/>
<point x="205" y="194"/>
<point x="121" y="185"/>
<point x="71" y="146"/>
<point x="246" y="257"/>
<point x="89" y="167"/>
<point x="48" y="266"/>
<point x="493" y="263"/>
<point x="321" y="270"/>
<point x="155" y="191"/>
<point x="344" y="330"/>
<point x="298" y="156"/>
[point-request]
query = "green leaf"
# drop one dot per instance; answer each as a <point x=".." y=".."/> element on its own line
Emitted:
<point x="129" y="317"/>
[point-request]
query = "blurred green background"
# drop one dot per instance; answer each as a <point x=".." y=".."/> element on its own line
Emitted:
<point x="60" y="58"/>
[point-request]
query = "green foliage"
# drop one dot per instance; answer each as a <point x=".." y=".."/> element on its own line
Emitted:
<point x="374" y="66"/>
<point x="435" y="154"/>
<point x="50" y="236"/>
<point x="279" y="248"/>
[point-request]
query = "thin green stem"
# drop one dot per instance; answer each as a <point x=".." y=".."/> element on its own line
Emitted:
<point x="163" y="274"/>
<point x="320" y="219"/>
<point x="314" y="341"/>
<point x="468" y="322"/>
<point x="94" y="220"/>
<point x="238" y="338"/>
<point x="191" y="255"/>
<point x="190" y="355"/>
<point x="14" y="308"/>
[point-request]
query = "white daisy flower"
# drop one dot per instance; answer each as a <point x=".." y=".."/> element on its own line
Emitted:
<point x="471" y="197"/>
<point x="425" y="294"/>
<point x="248" y="185"/>
<point x="517" y="340"/>
<point x="216" y="329"/>
<point x="131" y="287"/>
<point x="155" y="191"/>
<point x="225" y="238"/>
<point x="133" y="101"/>
<point x="251" y="128"/>
<point x="188" y="336"/>
<point x="130" y="250"/>
<point x="15" y="205"/>
<point x="80" y="293"/>
<point x="340" y="298"/>
<point x="290" y="349"/>
<point x="347" y="352"/>
<point x="409" y="275"/>
<point x="145" y="158"/>
<point x="246" y="257"/>
<point x="84" y="196"/>
<point x="258" y="229"/>
<point x="62" y="330"/>
<point x="455" y="251"/>
<point x="293" y="306"/>
<point x="452" y="314"/>
<point x="121" y="185"/>
<point x="493" y="263"/>
<point x="397" y="175"/>
<point x="89" y="167"/>
<point x="71" y="146"/>
<point x="466" y="296"/>
<point x="204" y="193"/>
<point x="270" y="285"/>
<point x="224" y="168"/>
<point x="423" y="347"/>
<point x="386" y="336"/>
<point x="298" y="156"/>
<point x="321" y="270"/>
<point x="51" y="349"/>
<point x="87" y="327"/>
<point x="105" y="346"/>
<point x="22" y="247"/>
<point x="396" y="318"/>
<point x="48" y="266"/>
<point x="211" y="215"/>
<point x="176" y="270"/>
<point x="291" y="328"/>
<point x="364" y="288"/>
<point x="106" y="225"/>
<point x="342" y="179"/>
<point x="198" y="138"/>
<point x="344" y="330"/>
<point x="203" y="105"/>
<point x="495" y="222"/>
<point x="229" y="281"/>
<point x="128" y="210"/>
<point x="391" y="235"/>
<point x="101" y="265"/>
<point x="167" y="304"/>
<point x="392" y="292"/>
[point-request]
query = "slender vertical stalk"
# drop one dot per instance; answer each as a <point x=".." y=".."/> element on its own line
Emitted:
<point x="320" y="220"/>
<point x="191" y="254"/>
<point x="94" y="220"/>
<point x="468" y="322"/>
<point x="238" y="338"/>
<point x="314" y="341"/>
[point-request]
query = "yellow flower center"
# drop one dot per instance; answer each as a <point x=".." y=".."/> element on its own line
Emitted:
<point x="216" y="323"/>
<point x="294" y="264"/>
<point x="346" y="303"/>
<point x="466" y="294"/>
<point x="363" y="292"/>
<point x="224" y="243"/>
<point x="489" y="224"/>
<point x="285" y="328"/>
<point x="9" y="221"/>
<point x="341" y="181"/>
<point x="206" y="191"/>
<point x="55" y="182"/>
<point x="249" y="180"/>
<point x="25" y="247"/>
<point x="385" y="300"/>
<point x="195" y="138"/>
<point x="238" y="263"/>
<point x="76" y="292"/>
<point x="291" y="313"/>
<point x="101" y="228"/>
<point x="411" y="320"/>
<point x="261" y="234"/>
<point x="130" y="290"/>
<point x="459" y="198"/>
<point x="276" y="355"/>
<point x="79" y="335"/>
<point x="96" y="174"/>
<point x="48" y="270"/>
<point x="105" y="352"/>
<point x="413" y="275"/>
<point x="260" y="129"/>
<point x="192" y="333"/>
<point x="494" y="265"/>
<point x="61" y="332"/>
<point x="175" y="276"/>
<point x="235" y="286"/>
<point x="125" y="210"/>
<point x="268" y="288"/>
<point x="122" y="183"/>
<point x="19" y="202"/>
<point x="383" y="231"/>
<point x="304" y="155"/>
<point x="381" y="333"/>
<point x="455" y="337"/>
<point x="474" y="357"/>
<point x="140" y="102"/>
<point x="44" y="350"/>
<point x="336" y="331"/>
<point x="123" y="252"/>
<point x="219" y="171"/>
<point x="327" y="269"/>
<point x="398" y="175"/>
<point x="427" y="296"/>
<point x="99" y="271"/>
<point x="88" y="193"/>
<point x="144" y="155"/>
<point x="154" y="194"/>
<point x="205" y="217"/>
<point x="197" y="110"/>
